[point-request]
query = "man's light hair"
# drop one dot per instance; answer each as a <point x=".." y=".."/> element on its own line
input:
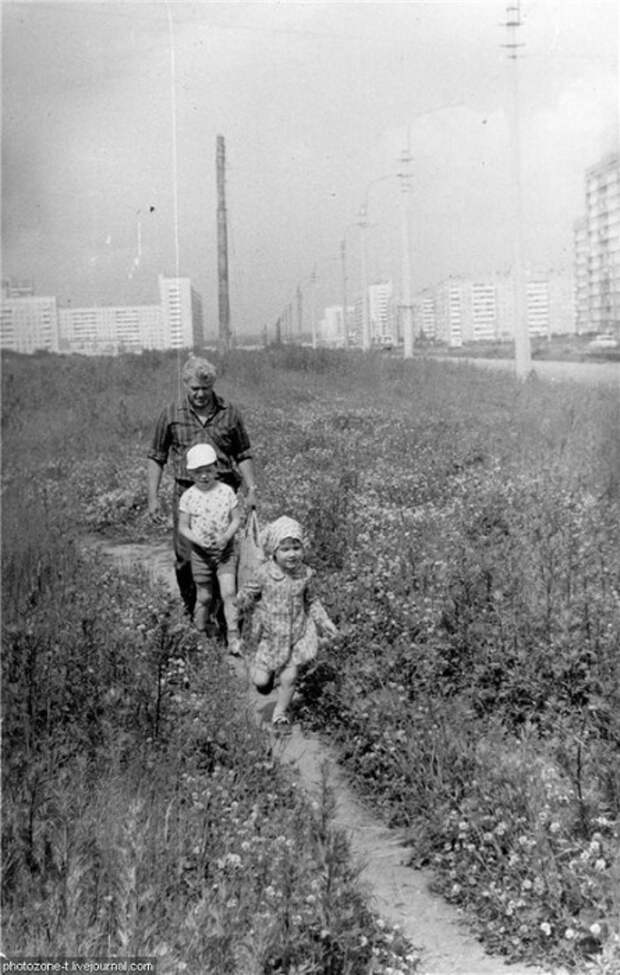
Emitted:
<point x="200" y="369"/>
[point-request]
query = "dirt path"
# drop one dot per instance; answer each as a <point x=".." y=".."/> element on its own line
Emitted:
<point x="399" y="893"/>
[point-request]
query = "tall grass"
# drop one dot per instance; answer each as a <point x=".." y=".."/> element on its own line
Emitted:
<point x="465" y="529"/>
<point x="142" y="813"/>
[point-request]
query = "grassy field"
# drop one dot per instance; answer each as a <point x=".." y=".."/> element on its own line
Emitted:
<point x="465" y="533"/>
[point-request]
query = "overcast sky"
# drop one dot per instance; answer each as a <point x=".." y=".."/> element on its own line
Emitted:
<point x="111" y="112"/>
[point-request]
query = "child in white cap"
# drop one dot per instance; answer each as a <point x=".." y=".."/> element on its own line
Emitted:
<point x="289" y="617"/>
<point x="209" y="517"/>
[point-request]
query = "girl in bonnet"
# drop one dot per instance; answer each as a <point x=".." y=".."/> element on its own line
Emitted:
<point x="289" y="617"/>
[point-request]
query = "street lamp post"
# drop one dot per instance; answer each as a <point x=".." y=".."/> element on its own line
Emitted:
<point x="345" y="307"/>
<point x="523" y="360"/>
<point x="313" y="307"/>
<point x="363" y="225"/>
<point x="407" y="308"/>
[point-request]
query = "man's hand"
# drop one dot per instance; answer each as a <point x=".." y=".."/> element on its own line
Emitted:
<point x="250" y="497"/>
<point x="155" y="512"/>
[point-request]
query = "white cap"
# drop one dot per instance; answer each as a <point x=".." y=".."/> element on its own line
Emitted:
<point x="200" y="455"/>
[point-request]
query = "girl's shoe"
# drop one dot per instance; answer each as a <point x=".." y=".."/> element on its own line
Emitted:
<point x="234" y="646"/>
<point x="280" y="721"/>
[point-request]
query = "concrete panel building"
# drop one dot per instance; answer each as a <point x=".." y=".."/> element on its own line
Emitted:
<point x="461" y="309"/>
<point x="30" y="323"/>
<point x="597" y="250"/>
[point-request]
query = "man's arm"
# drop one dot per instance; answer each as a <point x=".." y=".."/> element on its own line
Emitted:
<point x="246" y="469"/>
<point x="154" y="475"/>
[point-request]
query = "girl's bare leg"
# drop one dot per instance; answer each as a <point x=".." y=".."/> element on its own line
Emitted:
<point x="288" y="679"/>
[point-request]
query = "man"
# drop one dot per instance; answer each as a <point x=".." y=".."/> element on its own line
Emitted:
<point x="201" y="416"/>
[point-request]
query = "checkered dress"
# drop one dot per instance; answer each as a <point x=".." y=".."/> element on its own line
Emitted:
<point x="288" y="618"/>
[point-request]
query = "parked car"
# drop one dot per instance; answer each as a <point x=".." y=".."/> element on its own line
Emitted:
<point x="606" y="340"/>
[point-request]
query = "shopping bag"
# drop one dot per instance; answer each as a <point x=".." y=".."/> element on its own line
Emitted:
<point x="251" y="554"/>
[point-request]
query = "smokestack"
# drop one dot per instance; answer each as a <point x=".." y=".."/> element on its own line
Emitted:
<point x="222" y="248"/>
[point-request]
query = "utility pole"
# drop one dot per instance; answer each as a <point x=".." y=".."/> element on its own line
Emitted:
<point x="313" y="307"/>
<point x="289" y="321"/>
<point x="345" y="306"/>
<point x="523" y="360"/>
<point x="222" y="247"/>
<point x="407" y="309"/>
<point x="363" y="225"/>
<point x="300" y="311"/>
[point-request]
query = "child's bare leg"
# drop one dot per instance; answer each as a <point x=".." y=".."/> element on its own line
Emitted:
<point x="263" y="679"/>
<point x="228" y="592"/>
<point x="288" y="679"/>
<point x="204" y="596"/>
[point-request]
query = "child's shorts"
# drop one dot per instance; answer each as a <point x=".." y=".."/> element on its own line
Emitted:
<point x="206" y="564"/>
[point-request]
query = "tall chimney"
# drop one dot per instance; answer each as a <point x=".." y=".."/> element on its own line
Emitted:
<point x="222" y="248"/>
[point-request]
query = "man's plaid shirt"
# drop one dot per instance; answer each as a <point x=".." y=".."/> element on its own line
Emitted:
<point x="179" y="428"/>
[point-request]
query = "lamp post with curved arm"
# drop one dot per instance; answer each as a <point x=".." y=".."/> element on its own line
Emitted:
<point x="363" y="225"/>
<point x="406" y="305"/>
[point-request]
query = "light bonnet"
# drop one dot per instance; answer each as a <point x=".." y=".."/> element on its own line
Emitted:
<point x="200" y="455"/>
<point x="275" y="533"/>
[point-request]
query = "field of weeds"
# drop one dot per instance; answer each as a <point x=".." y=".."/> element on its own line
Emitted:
<point x="465" y="530"/>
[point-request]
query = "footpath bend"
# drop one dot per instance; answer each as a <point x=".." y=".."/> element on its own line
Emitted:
<point x="397" y="892"/>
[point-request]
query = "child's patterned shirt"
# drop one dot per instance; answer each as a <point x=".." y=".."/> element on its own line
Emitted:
<point x="209" y="511"/>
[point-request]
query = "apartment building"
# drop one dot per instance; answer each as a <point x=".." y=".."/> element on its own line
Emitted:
<point x="596" y="238"/>
<point x="460" y="309"/>
<point x="110" y="330"/>
<point x="30" y="323"/>
<point x="380" y="312"/>
<point x="331" y="326"/>
<point x="181" y="310"/>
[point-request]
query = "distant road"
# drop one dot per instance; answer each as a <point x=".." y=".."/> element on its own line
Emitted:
<point x="592" y="373"/>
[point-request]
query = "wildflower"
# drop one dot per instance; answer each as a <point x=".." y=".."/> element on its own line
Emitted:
<point x="600" y="865"/>
<point x="545" y="927"/>
<point x="569" y="934"/>
<point x="595" y="929"/>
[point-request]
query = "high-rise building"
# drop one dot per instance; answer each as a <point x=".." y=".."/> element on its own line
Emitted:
<point x="182" y="313"/>
<point x="580" y="249"/>
<point x="380" y="312"/>
<point x="424" y="315"/>
<point x="30" y="323"/>
<point x="597" y="250"/>
<point x="331" y="330"/>
<point x="110" y="330"/>
<point x="449" y="312"/>
<point x="461" y="310"/>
